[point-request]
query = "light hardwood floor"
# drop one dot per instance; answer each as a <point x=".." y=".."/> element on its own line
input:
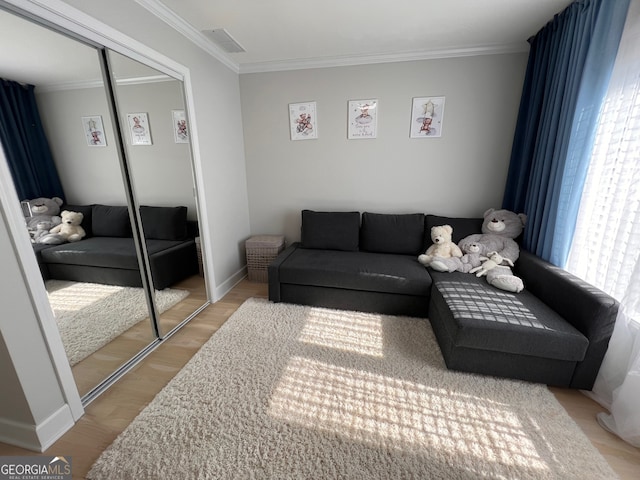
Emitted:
<point x="110" y="413"/>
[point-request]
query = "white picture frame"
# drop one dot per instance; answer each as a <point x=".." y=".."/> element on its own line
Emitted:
<point x="427" y="115"/>
<point x="362" y="119"/>
<point x="180" y="126"/>
<point x="94" y="131"/>
<point x="139" y="129"/>
<point x="303" y="121"/>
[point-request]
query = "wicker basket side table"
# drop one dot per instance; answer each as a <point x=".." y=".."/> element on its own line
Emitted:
<point x="261" y="251"/>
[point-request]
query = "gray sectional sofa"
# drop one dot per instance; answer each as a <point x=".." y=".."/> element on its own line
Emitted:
<point x="107" y="254"/>
<point x="555" y="332"/>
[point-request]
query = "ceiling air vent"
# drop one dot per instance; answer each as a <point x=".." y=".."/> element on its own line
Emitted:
<point x="225" y="41"/>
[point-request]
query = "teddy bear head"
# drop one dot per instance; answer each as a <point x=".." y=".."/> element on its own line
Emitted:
<point x="441" y="233"/>
<point x="71" y="218"/>
<point x="468" y="246"/>
<point x="41" y="210"/>
<point x="503" y="222"/>
<point x="44" y="206"/>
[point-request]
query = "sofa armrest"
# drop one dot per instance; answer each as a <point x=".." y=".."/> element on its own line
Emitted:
<point x="587" y="308"/>
<point x="274" y="271"/>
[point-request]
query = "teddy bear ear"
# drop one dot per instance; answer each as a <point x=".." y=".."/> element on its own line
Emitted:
<point x="523" y="218"/>
<point x="58" y="200"/>
<point x="448" y="229"/>
<point x="64" y="212"/>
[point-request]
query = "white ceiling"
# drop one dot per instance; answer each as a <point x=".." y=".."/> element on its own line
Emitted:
<point x="33" y="54"/>
<point x="275" y="33"/>
<point x="49" y="59"/>
<point x="285" y="34"/>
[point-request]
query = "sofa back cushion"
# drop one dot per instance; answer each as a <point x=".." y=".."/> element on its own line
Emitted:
<point x="110" y="221"/>
<point x="392" y="233"/>
<point x="164" y="223"/>
<point x="330" y="230"/>
<point x="462" y="227"/>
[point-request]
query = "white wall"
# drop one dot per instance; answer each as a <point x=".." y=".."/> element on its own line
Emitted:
<point x="462" y="173"/>
<point x="35" y="407"/>
<point x="31" y="393"/>
<point x="88" y="174"/>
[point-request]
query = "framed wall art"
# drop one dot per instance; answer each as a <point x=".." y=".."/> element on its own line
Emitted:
<point x="427" y="114"/>
<point x="303" y="121"/>
<point x="139" y="129"/>
<point x="94" y="131"/>
<point x="180" y="129"/>
<point x="363" y="119"/>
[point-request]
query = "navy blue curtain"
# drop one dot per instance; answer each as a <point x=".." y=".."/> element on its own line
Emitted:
<point x="568" y="71"/>
<point x="25" y="144"/>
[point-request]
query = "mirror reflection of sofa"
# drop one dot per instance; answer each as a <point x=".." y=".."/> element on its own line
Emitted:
<point x="108" y="255"/>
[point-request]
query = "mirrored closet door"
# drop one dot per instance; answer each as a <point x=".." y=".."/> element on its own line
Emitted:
<point x="137" y="272"/>
<point x="152" y="113"/>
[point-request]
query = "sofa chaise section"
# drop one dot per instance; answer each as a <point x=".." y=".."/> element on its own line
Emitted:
<point x="527" y="335"/>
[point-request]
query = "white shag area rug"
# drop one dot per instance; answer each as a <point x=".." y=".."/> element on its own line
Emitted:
<point x="291" y="392"/>
<point x="90" y="315"/>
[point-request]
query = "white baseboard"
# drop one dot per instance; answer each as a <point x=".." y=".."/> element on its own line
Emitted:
<point x="226" y="286"/>
<point x="40" y="437"/>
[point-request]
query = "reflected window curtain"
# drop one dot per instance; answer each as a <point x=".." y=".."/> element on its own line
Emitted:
<point x="569" y="67"/>
<point x="25" y="145"/>
<point x="606" y="246"/>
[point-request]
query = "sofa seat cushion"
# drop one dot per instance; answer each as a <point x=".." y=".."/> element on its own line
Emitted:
<point x="366" y="271"/>
<point x="477" y="315"/>
<point x="111" y="252"/>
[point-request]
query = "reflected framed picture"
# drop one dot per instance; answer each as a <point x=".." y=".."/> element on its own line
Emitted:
<point x="427" y="114"/>
<point x="139" y="129"/>
<point x="180" y="129"/>
<point x="363" y="119"/>
<point x="303" y="121"/>
<point x="94" y="131"/>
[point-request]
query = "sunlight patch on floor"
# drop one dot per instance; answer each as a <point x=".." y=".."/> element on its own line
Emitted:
<point x="77" y="296"/>
<point x="350" y="332"/>
<point x="399" y="414"/>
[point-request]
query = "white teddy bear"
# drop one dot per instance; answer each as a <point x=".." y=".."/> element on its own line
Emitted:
<point x="443" y="246"/>
<point x="68" y="231"/>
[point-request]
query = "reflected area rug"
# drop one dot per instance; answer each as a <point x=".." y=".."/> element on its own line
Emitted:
<point x="90" y="315"/>
<point x="291" y="392"/>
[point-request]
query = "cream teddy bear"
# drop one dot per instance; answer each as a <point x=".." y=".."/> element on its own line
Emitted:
<point x="443" y="246"/>
<point x="68" y="231"/>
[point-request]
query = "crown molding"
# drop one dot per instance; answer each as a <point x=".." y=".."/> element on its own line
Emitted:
<point x="98" y="83"/>
<point x="59" y="87"/>
<point x="344" y="61"/>
<point x="179" y="24"/>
